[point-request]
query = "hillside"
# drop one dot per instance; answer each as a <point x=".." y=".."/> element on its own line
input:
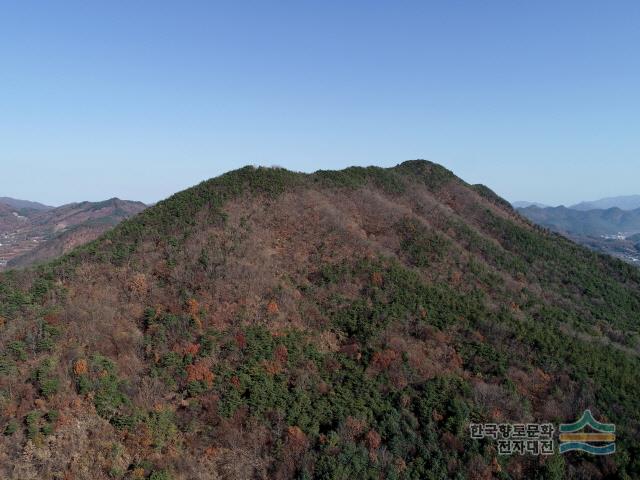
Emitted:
<point x="35" y="235"/>
<point x="338" y="325"/>
<point x="73" y="214"/>
<point x="11" y="219"/>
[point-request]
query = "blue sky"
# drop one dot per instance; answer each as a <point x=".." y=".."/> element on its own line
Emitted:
<point x="139" y="99"/>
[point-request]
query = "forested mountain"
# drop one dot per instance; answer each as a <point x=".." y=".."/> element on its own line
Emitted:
<point x="341" y="324"/>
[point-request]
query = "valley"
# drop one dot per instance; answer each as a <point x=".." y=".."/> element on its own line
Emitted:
<point x="611" y="231"/>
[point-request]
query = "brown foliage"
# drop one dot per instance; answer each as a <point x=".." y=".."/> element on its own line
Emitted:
<point x="331" y="364"/>
<point x="199" y="372"/>
<point x="376" y="279"/>
<point x="138" y="284"/>
<point x="193" y="307"/>
<point x="241" y="340"/>
<point x="281" y="354"/>
<point x="382" y="360"/>
<point x="52" y="318"/>
<point x="211" y="452"/>
<point x="80" y="367"/>
<point x="400" y="464"/>
<point x="272" y="307"/>
<point x="372" y="440"/>
<point x="352" y="428"/>
<point x="295" y="444"/>
<point x="272" y="367"/>
<point x="533" y="384"/>
<point x="451" y="442"/>
<point x="323" y="388"/>
<point x="398" y="378"/>
<point x="351" y="350"/>
<point x="137" y="473"/>
<point x="296" y="439"/>
<point x="456" y="277"/>
<point x="495" y="465"/>
<point x="187" y="348"/>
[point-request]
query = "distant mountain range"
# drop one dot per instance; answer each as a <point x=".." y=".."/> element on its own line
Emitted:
<point x="610" y="227"/>
<point x="23" y="204"/>
<point x="596" y="222"/>
<point x="627" y="202"/>
<point x="523" y="204"/>
<point x="31" y="232"/>
<point x="624" y="202"/>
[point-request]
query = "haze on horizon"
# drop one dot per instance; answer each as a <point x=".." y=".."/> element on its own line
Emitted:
<point x="538" y="101"/>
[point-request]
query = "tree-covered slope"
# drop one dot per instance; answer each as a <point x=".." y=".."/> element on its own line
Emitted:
<point x="349" y="324"/>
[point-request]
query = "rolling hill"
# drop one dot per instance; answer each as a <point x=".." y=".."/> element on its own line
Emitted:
<point x="32" y="235"/>
<point x="334" y="325"/>
<point x="24" y="205"/>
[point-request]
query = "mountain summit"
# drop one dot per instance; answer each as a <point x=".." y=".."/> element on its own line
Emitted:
<point x="340" y="324"/>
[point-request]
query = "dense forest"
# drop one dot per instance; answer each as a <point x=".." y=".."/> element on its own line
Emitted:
<point x="336" y="325"/>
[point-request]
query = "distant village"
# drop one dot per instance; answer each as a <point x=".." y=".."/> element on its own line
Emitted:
<point x="619" y="245"/>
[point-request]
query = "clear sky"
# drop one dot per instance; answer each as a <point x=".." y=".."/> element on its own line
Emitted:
<point x="540" y="100"/>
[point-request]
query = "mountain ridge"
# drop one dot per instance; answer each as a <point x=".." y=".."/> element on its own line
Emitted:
<point x="525" y="204"/>
<point x="623" y="202"/>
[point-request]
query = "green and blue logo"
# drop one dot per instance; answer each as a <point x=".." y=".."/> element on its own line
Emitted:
<point x="573" y="439"/>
